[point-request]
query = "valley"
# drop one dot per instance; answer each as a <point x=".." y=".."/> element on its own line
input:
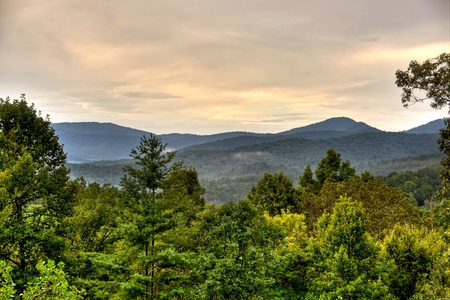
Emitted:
<point x="230" y="163"/>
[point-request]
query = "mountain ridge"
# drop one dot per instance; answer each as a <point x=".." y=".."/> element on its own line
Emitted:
<point x="95" y="141"/>
<point x="430" y="127"/>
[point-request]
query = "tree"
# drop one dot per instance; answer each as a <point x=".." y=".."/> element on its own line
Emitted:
<point x="6" y="283"/>
<point x="35" y="192"/>
<point x="50" y="284"/>
<point x="141" y="187"/>
<point x="96" y="257"/>
<point x="306" y="181"/>
<point x="346" y="262"/>
<point x="431" y="77"/>
<point x="153" y="161"/>
<point x="22" y="125"/>
<point x="183" y="193"/>
<point x="330" y="168"/>
<point x="384" y="206"/>
<point x="274" y="193"/>
<point x="430" y="80"/>
<point x="234" y="253"/>
<point x="420" y="263"/>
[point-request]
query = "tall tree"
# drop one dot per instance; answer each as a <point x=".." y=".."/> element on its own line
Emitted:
<point x="35" y="192"/>
<point x="306" y="181"/>
<point x="141" y="187"/>
<point x="152" y="162"/>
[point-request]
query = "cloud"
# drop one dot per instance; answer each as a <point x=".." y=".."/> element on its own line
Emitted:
<point x="149" y="95"/>
<point x="371" y="39"/>
<point x="238" y="65"/>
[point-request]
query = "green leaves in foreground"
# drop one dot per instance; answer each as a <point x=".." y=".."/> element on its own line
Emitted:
<point x="346" y="262"/>
<point x="50" y="283"/>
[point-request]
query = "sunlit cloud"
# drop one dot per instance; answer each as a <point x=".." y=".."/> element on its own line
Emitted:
<point x="213" y="66"/>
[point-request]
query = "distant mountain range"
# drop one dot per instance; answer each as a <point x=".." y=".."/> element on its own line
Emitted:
<point x="230" y="163"/>
<point x="92" y="141"/>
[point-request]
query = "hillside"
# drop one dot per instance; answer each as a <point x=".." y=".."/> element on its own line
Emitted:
<point x="342" y="124"/>
<point x="228" y="164"/>
<point x="292" y="155"/>
<point x="431" y="127"/>
<point x="92" y="141"/>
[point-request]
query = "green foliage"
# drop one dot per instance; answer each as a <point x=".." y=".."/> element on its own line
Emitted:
<point x="235" y="248"/>
<point x="330" y="168"/>
<point x="306" y="181"/>
<point x="294" y="228"/>
<point x="51" y="283"/>
<point x="22" y="125"/>
<point x="35" y="194"/>
<point x="431" y="77"/>
<point x="385" y="206"/>
<point x="420" y="185"/>
<point x="153" y="162"/>
<point x="7" y="290"/>
<point x="346" y="263"/>
<point x="274" y="193"/>
<point x="421" y="263"/>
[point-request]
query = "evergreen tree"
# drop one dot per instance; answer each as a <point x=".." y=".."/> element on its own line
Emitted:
<point x="306" y="181"/>
<point x="330" y="168"/>
<point x="142" y="187"/>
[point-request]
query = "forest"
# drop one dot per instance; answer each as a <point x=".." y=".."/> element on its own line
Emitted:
<point x="334" y="234"/>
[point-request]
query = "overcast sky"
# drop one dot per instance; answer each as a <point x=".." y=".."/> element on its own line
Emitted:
<point x="213" y="66"/>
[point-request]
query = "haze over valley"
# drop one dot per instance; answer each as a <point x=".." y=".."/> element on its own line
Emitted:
<point x="98" y="151"/>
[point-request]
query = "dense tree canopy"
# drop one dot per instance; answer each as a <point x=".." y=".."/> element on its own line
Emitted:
<point x="335" y="236"/>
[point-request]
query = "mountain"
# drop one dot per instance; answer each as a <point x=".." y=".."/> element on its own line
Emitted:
<point x="431" y="127"/>
<point x="292" y="155"/>
<point x="331" y="128"/>
<point x="234" y="161"/>
<point x="91" y="141"/>
<point x="342" y="124"/>
<point x="177" y="141"/>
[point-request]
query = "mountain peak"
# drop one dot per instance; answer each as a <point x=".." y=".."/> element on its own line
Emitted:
<point x="334" y="124"/>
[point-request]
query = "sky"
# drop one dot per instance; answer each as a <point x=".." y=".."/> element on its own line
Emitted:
<point x="214" y="66"/>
